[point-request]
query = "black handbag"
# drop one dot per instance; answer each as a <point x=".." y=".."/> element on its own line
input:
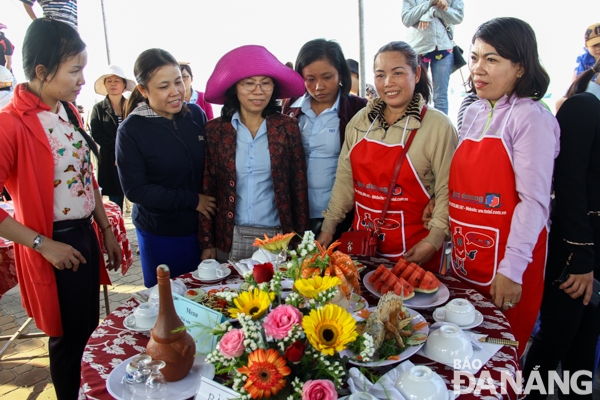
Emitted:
<point x="459" y="60"/>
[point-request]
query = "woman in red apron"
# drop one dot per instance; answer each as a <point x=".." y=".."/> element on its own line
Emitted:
<point x="501" y="174"/>
<point x="375" y="138"/>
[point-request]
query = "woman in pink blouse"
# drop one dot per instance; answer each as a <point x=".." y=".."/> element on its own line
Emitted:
<point x="45" y="164"/>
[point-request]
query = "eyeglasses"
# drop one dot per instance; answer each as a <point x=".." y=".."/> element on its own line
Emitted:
<point x="250" y="86"/>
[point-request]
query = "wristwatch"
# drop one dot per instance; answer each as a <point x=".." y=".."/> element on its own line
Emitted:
<point x="37" y="242"/>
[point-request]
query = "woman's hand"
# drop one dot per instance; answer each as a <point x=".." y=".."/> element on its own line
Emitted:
<point x="206" y="205"/>
<point x="423" y="25"/>
<point x="420" y="253"/>
<point x="115" y="256"/>
<point x="325" y="239"/>
<point x="208" y="253"/>
<point x="61" y="255"/>
<point x="579" y="284"/>
<point x="505" y="292"/>
<point x="441" y="4"/>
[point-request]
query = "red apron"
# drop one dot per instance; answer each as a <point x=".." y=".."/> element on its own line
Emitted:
<point x="483" y="197"/>
<point x="373" y="165"/>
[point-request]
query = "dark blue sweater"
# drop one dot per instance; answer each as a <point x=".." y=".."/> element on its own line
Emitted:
<point x="161" y="164"/>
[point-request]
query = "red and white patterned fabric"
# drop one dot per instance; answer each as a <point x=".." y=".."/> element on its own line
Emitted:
<point x="111" y="343"/>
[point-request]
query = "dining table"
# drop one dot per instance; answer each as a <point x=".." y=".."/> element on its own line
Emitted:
<point x="112" y="343"/>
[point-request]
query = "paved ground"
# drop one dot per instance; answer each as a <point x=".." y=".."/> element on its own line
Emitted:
<point x="24" y="372"/>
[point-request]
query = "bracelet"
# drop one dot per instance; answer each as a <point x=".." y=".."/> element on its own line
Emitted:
<point x="104" y="229"/>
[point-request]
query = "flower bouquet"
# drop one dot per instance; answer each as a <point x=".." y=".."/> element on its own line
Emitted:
<point x="291" y="350"/>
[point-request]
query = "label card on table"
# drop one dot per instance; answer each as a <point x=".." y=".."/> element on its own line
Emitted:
<point x="211" y="390"/>
<point x="203" y="320"/>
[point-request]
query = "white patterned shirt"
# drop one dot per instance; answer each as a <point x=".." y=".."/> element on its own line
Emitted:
<point x="73" y="182"/>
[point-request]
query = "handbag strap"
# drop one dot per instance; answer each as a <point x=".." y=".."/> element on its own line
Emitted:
<point x="447" y="28"/>
<point x="397" y="168"/>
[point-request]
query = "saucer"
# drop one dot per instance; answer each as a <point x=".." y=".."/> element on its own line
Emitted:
<point x="196" y="277"/>
<point x="477" y="322"/>
<point x="134" y="327"/>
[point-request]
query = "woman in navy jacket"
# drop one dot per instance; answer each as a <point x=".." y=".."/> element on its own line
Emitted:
<point x="160" y="158"/>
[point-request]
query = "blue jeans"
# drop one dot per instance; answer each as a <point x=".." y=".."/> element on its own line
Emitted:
<point x="440" y="73"/>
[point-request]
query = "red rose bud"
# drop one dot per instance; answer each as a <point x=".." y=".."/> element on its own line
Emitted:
<point x="294" y="352"/>
<point x="263" y="272"/>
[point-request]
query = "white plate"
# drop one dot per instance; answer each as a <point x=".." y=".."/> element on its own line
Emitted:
<point x="134" y="327"/>
<point x="477" y="322"/>
<point x="420" y="301"/>
<point x="410" y="350"/>
<point x="180" y="390"/>
<point x="196" y="277"/>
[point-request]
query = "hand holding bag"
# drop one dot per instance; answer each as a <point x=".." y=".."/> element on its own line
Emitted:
<point x="364" y="243"/>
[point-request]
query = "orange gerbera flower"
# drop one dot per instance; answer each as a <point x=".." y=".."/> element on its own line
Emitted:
<point x="275" y="244"/>
<point x="266" y="371"/>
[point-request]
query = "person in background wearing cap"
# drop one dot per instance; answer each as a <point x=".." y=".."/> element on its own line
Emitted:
<point x="569" y="323"/>
<point x="105" y="119"/>
<point x="6" y="50"/>
<point x="427" y="21"/>
<point x="191" y="95"/>
<point x="6" y="86"/>
<point x="370" y="92"/>
<point x="255" y="163"/>
<point x="323" y="113"/>
<point x="160" y="157"/>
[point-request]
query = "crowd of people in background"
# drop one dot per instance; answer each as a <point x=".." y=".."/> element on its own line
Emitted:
<point x="296" y="148"/>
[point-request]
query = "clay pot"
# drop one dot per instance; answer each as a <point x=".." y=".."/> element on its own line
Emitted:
<point x="176" y="349"/>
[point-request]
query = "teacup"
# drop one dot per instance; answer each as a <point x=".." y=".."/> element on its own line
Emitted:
<point x="420" y="382"/>
<point x="211" y="269"/>
<point x="458" y="311"/>
<point x="145" y="315"/>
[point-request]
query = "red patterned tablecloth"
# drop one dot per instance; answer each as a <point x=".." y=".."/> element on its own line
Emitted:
<point x="111" y="343"/>
<point x="8" y="272"/>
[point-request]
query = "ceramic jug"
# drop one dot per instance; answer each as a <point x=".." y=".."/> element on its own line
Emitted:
<point x="176" y="349"/>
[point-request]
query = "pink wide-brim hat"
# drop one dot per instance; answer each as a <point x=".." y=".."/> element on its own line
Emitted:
<point x="251" y="60"/>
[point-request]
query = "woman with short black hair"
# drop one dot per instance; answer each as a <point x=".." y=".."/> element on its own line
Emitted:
<point x="45" y="164"/>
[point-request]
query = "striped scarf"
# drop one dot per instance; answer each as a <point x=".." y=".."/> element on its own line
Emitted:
<point x="378" y="109"/>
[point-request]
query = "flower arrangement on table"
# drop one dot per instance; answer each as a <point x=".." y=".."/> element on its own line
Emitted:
<point x="287" y="349"/>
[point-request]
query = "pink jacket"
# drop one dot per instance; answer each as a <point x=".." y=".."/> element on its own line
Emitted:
<point x="27" y="171"/>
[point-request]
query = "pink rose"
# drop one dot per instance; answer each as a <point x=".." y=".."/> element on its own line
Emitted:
<point x="319" y="389"/>
<point x="232" y="343"/>
<point x="280" y="321"/>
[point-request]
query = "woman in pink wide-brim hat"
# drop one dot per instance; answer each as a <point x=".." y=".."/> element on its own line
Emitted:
<point x="255" y="163"/>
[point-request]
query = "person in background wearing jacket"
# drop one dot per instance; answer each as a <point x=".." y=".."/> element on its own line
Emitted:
<point x="501" y="174"/>
<point x="255" y="166"/>
<point x="569" y="324"/>
<point x="323" y="113"/>
<point x="427" y="22"/>
<point x="45" y="164"/>
<point x="105" y="119"/>
<point x="191" y="95"/>
<point x="160" y="158"/>
<point x="375" y="138"/>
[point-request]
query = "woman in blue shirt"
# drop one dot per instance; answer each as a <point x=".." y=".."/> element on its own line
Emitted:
<point x="322" y="114"/>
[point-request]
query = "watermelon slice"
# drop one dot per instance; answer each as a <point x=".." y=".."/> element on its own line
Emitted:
<point x="409" y="291"/>
<point x="416" y="277"/>
<point x="408" y="271"/>
<point x="388" y="286"/>
<point x="377" y="274"/>
<point x="429" y="283"/>
<point x="399" y="267"/>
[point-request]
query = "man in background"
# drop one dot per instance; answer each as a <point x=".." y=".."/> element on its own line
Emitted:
<point x="6" y="50"/>
<point x="60" y="10"/>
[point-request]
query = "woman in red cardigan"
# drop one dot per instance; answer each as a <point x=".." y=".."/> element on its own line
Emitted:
<point x="45" y="165"/>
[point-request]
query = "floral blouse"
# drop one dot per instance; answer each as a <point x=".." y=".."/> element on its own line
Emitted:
<point x="73" y="187"/>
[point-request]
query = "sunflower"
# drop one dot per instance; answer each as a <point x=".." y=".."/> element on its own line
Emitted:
<point x="275" y="244"/>
<point x="266" y="371"/>
<point x="329" y="329"/>
<point x="254" y="304"/>
<point x="312" y="287"/>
